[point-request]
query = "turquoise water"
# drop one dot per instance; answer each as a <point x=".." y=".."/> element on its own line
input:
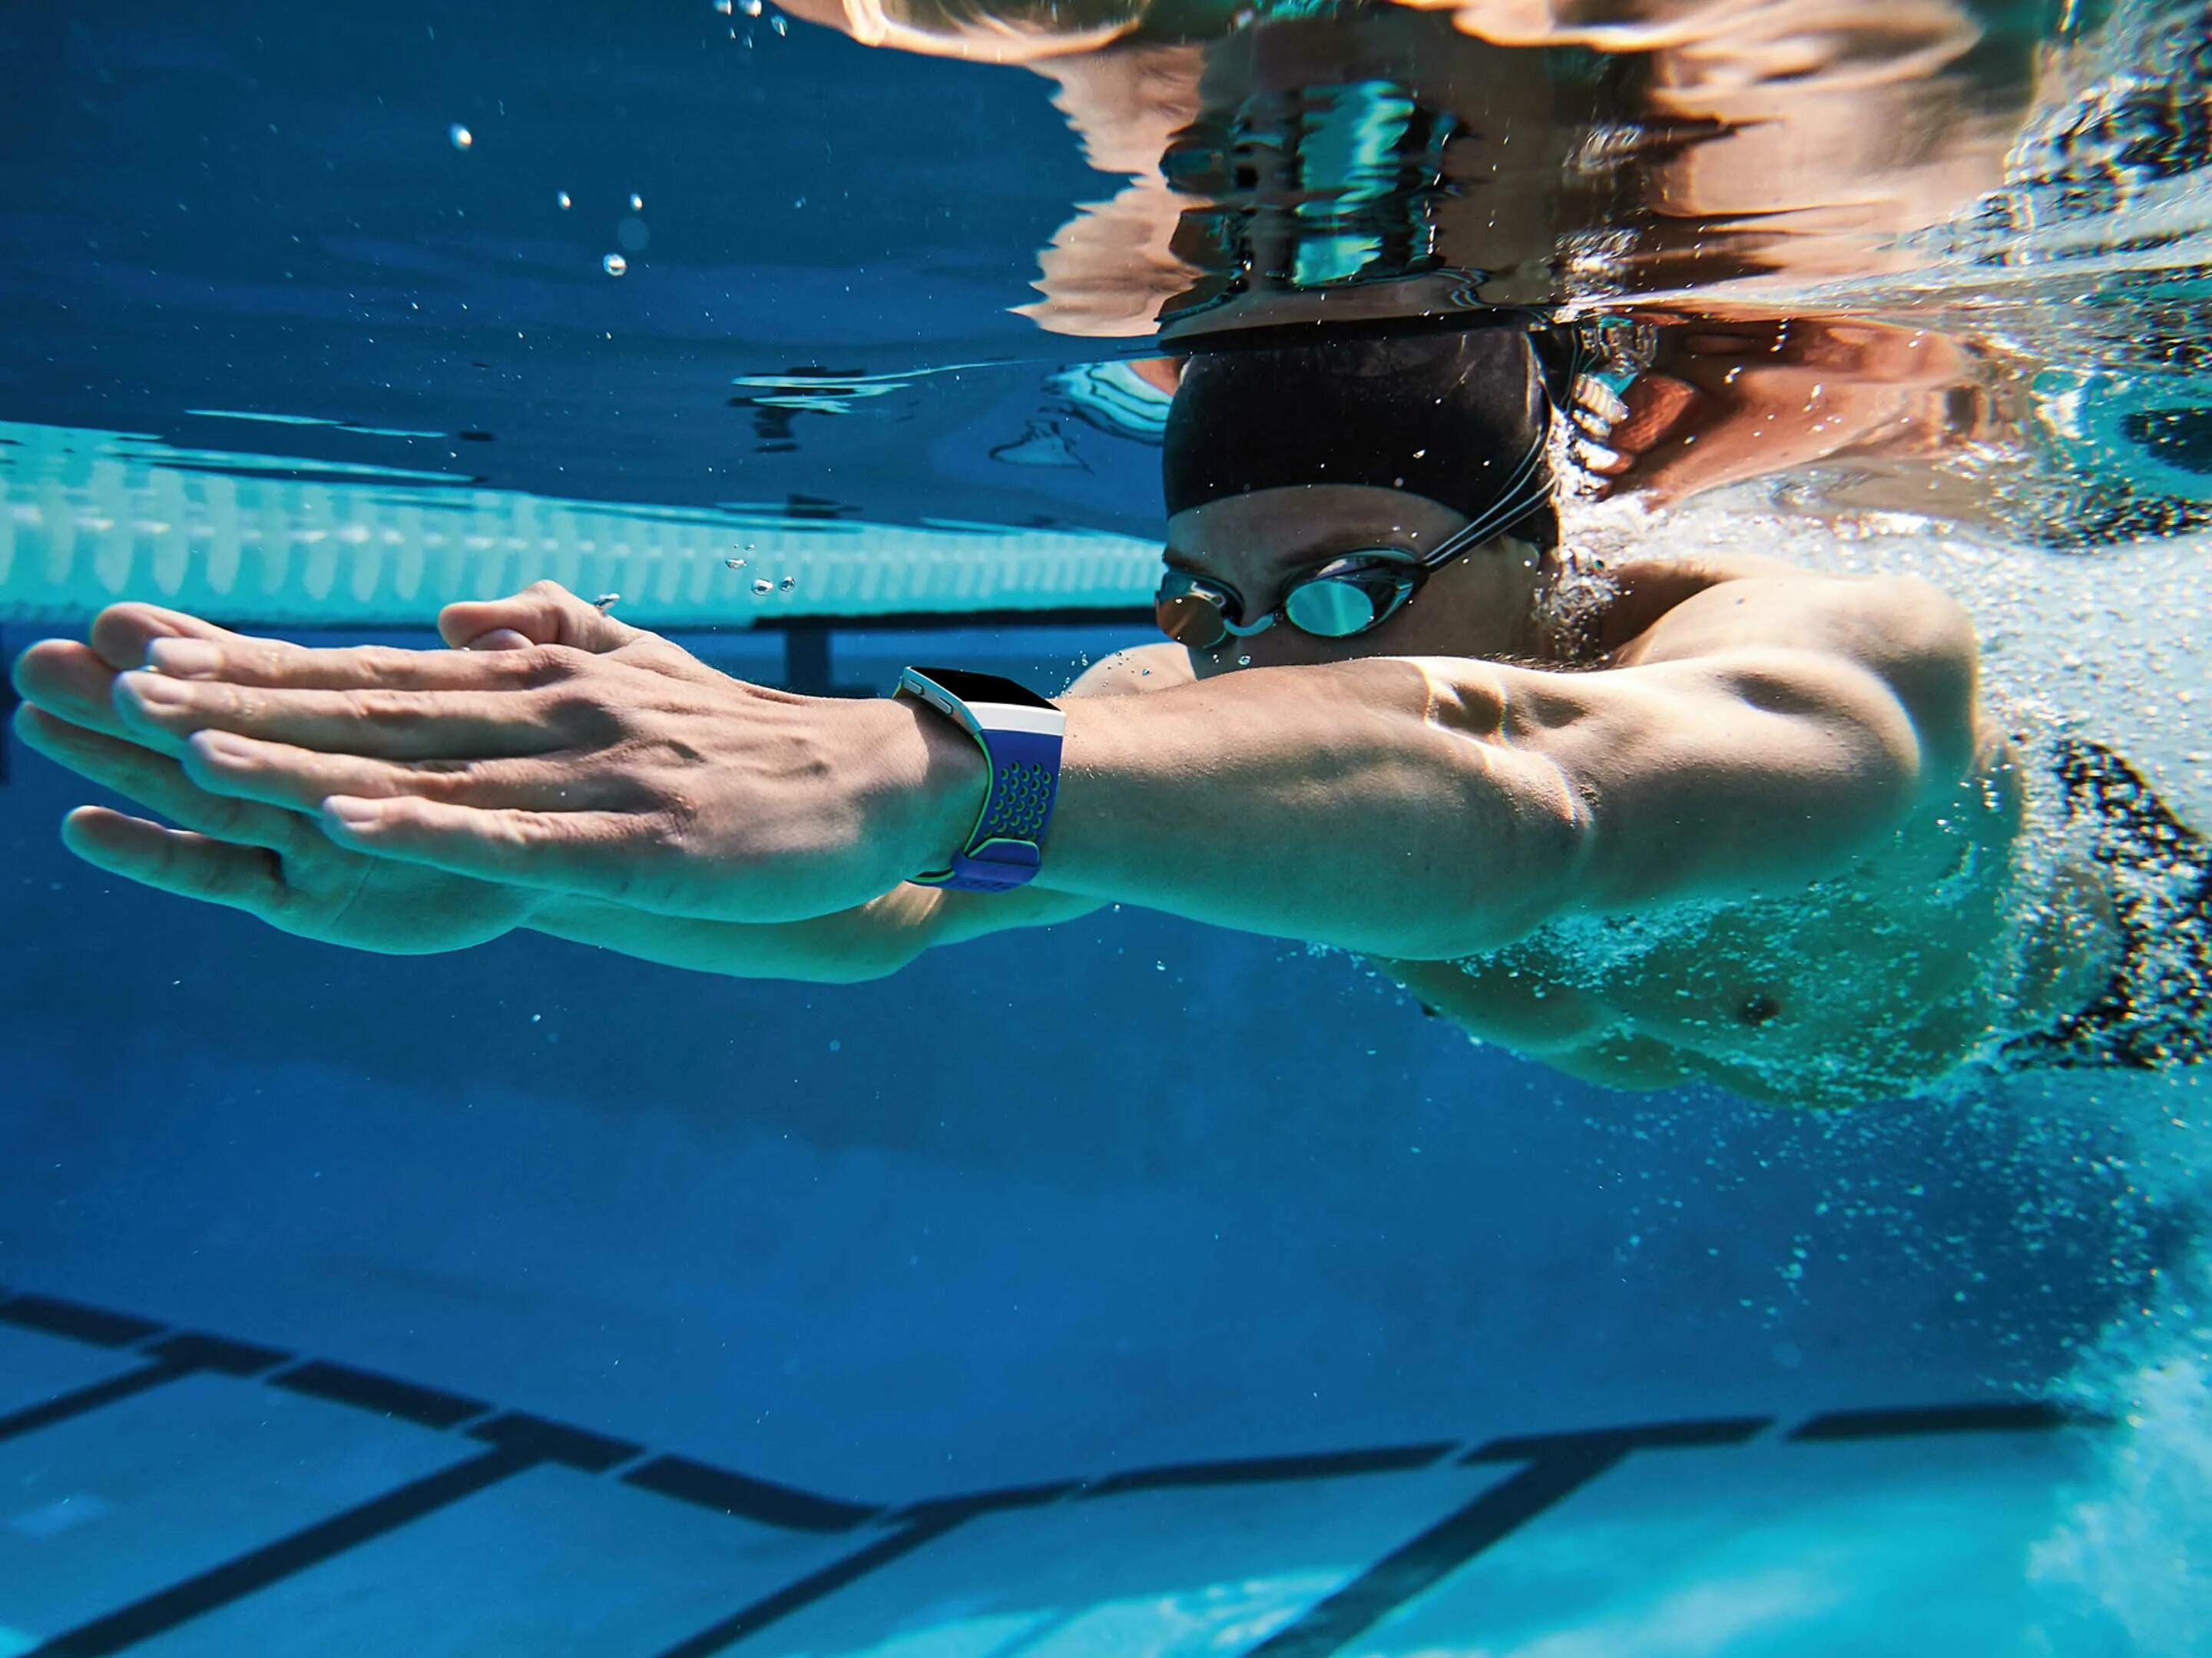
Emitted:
<point x="1133" y="1287"/>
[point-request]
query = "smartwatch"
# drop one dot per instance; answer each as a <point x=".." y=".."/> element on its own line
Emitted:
<point x="1020" y="733"/>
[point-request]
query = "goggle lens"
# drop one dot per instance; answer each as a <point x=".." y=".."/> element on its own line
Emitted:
<point x="1193" y="619"/>
<point x="1335" y="607"/>
<point x="1340" y="600"/>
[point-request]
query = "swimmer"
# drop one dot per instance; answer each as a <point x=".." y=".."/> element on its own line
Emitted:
<point x="1715" y="820"/>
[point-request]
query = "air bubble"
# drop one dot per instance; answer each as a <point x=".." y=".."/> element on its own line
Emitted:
<point x="460" y="135"/>
<point x="789" y="583"/>
<point x="733" y="564"/>
<point x="1244" y="661"/>
<point x="722" y="6"/>
<point x="750" y="7"/>
<point x="606" y="602"/>
<point x="561" y="200"/>
<point x="636" y="203"/>
<point x="614" y="264"/>
<point x="779" y="26"/>
<point x="763" y="586"/>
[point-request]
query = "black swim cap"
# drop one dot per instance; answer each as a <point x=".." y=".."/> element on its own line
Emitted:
<point x="1453" y="416"/>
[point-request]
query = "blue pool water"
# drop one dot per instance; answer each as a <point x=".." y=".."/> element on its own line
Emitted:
<point x="1133" y="1288"/>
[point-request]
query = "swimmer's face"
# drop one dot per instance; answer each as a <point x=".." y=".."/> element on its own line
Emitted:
<point x="1257" y="543"/>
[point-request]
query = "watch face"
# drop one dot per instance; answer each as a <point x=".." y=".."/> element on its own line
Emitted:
<point x="984" y="687"/>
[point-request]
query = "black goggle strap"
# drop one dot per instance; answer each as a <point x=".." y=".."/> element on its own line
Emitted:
<point x="1525" y="490"/>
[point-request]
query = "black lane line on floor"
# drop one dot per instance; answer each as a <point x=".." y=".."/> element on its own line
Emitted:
<point x="967" y="1505"/>
<point x="763" y="1500"/>
<point x="816" y="1586"/>
<point x="95" y="1325"/>
<point x="82" y="1401"/>
<point x="1690" y="1434"/>
<point x="382" y="1395"/>
<point x="175" y="1356"/>
<point x="1559" y="1465"/>
<point x="206" y="1352"/>
<point x="1330" y="1624"/>
<point x="555" y="1442"/>
<point x="2026" y="1416"/>
<point x="920" y="1524"/>
<point x="1266" y="1470"/>
<point x="248" y="1574"/>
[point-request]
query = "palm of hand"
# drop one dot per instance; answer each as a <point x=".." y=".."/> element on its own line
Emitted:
<point x="273" y="863"/>
<point x="324" y="892"/>
<point x="270" y="863"/>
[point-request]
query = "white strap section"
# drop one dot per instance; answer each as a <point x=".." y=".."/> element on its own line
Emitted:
<point x="1013" y="717"/>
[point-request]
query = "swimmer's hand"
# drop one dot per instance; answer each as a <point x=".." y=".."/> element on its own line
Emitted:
<point x="1732" y="398"/>
<point x="584" y="758"/>
<point x="274" y="864"/>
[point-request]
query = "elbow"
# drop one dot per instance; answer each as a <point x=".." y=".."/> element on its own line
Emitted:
<point x="1523" y="839"/>
<point x="1555" y="835"/>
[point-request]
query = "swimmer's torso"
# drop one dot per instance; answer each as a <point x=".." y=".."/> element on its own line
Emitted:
<point x="1863" y="985"/>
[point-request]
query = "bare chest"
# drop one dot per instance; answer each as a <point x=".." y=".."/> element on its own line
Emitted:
<point x="1851" y="985"/>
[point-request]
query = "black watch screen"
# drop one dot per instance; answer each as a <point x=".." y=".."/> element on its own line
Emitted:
<point x="971" y="687"/>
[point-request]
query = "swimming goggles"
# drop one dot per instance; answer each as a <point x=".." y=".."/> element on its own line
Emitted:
<point x="1352" y="593"/>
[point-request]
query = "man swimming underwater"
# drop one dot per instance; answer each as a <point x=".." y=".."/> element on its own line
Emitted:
<point x="1717" y="819"/>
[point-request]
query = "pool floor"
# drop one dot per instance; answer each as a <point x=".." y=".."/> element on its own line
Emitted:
<point x="176" y="1492"/>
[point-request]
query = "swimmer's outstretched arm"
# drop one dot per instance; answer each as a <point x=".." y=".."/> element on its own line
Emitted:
<point x="1410" y="809"/>
<point x="278" y="866"/>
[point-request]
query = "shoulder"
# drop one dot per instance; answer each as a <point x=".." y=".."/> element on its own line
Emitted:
<point x="1689" y="600"/>
<point x="1139" y="668"/>
<point x="1897" y="636"/>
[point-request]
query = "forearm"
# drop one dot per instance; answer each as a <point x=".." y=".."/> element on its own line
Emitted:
<point x="1358" y="805"/>
<point x="870" y="942"/>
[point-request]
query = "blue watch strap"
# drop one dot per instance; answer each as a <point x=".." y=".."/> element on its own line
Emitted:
<point x="1019" y="734"/>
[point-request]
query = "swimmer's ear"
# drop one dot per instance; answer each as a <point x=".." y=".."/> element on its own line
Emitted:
<point x="545" y="613"/>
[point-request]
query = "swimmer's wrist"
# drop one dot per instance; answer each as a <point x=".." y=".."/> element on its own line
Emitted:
<point x="929" y="781"/>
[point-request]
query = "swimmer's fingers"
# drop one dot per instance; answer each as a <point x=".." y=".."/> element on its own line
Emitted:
<point x="177" y="861"/>
<point x="269" y="664"/>
<point x="1597" y="408"/>
<point x="162" y="711"/>
<point x="69" y="681"/>
<point x="597" y="852"/>
<point x="300" y="780"/>
<point x="76" y="680"/>
<point x="545" y="613"/>
<point x="158" y="783"/>
<point x="122" y="634"/>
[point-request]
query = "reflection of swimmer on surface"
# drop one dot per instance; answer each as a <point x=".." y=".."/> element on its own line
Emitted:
<point x="1726" y="398"/>
<point x="1506" y="151"/>
<point x="2103" y="440"/>
<point x="1719" y="819"/>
